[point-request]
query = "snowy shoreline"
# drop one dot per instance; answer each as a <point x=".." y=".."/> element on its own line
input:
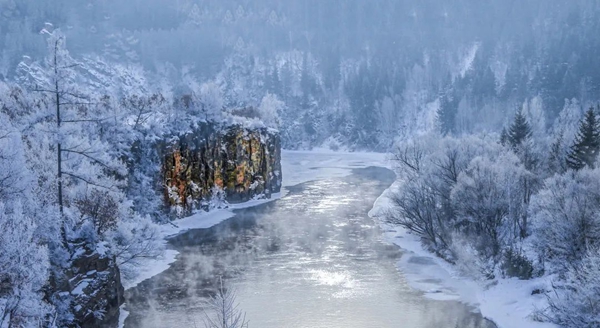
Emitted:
<point x="508" y="303"/>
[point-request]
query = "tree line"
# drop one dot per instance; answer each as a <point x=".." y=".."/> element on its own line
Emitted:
<point x="519" y="204"/>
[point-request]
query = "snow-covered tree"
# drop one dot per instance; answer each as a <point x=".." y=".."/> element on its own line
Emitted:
<point x="430" y="169"/>
<point x="134" y="239"/>
<point x="80" y="159"/>
<point x="269" y="110"/>
<point x="489" y="202"/>
<point x="24" y="269"/>
<point x="584" y="151"/>
<point x="533" y="110"/>
<point x="575" y="301"/>
<point x="564" y="132"/>
<point x="13" y="173"/>
<point x="565" y="218"/>
<point x="76" y="136"/>
<point x="519" y="131"/>
<point x="210" y="98"/>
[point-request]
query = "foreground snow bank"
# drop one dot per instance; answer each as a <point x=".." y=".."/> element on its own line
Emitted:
<point x="507" y="302"/>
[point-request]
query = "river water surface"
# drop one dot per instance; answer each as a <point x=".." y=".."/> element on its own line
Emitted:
<point x="313" y="259"/>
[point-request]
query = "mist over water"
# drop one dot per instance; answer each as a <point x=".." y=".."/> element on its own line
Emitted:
<point x="492" y="108"/>
<point x="312" y="259"/>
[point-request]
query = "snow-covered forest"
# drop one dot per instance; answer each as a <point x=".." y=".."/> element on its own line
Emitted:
<point x="352" y="73"/>
<point x="519" y="204"/>
<point x="489" y="110"/>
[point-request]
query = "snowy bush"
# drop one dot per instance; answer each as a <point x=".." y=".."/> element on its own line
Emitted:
<point x="468" y="259"/>
<point x="134" y="239"/>
<point x="467" y="199"/>
<point x="23" y="270"/>
<point x="566" y="218"/>
<point x="487" y="200"/>
<point x="575" y="301"/>
<point x="100" y="208"/>
<point x="471" y="185"/>
<point x="516" y="264"/>
<point x="269" y="110"/>
<point x="417" y="208"/>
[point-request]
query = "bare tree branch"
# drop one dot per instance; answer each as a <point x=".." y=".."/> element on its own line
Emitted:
<point x="75" y="176"/>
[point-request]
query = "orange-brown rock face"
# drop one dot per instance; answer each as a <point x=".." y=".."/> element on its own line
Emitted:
<point x="244" y="163"/>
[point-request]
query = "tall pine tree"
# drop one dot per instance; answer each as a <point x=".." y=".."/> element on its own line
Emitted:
<point x="519" y="131"/>
<point x="504" y="137"/>
<point x="587" y="143"/>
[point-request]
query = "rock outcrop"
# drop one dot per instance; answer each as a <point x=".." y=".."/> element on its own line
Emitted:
<point x="91" y="287"/>
<point x="240" y="162"/>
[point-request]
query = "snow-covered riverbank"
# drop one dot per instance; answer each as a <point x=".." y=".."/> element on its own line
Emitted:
<point x="507" y="302"/>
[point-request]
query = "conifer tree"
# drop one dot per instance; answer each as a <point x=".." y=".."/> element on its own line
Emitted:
<point x="519" y="130"/>
<point x="447" y="114"/>
<point x="587" y="143"/>
<point x="504" y="137"/>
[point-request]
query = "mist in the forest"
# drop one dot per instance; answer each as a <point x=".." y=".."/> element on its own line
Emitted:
<point x="352" y="73"/>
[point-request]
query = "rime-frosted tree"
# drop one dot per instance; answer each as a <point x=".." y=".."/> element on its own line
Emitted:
<point x="587" y="142"/>
<point x="23" y="270"/>
<point x="565" y="218"/>
<point x="210" y="98"/>
<point x="79" y="156"/>
<point x="556" y="161"/>
<point x="269" y="110"/>
<point x="575" y="302"/>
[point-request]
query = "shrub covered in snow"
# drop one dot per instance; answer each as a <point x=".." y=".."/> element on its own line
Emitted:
<point x="24" y="269"/>
<point x="575" y="301"/>
<point x="566" y="218"/>
<point x="269" y="110"/>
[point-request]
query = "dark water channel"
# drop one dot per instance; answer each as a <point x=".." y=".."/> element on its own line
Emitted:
<point x="313" y="259"/>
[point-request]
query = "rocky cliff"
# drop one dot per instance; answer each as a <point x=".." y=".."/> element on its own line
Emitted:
<point x="236" y="162"/>
<point x="90" y="287"/>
